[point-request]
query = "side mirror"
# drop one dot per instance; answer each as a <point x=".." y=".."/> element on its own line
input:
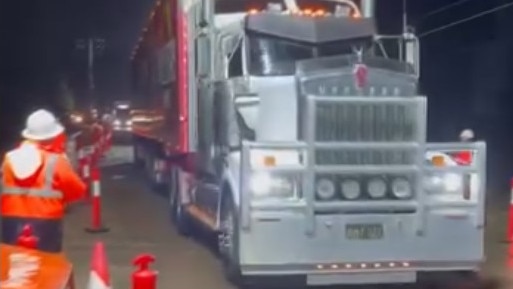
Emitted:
<point x="246" y="99"/>
<point x="246" y="95"/>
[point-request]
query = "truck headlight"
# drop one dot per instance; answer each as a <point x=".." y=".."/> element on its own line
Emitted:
<point x="325" y="189"/>
<point x="350" y="189"/>
<point x="117" y="122"/>
<point x="449" y="182"/>
<point x="128" y="122"/>
<point x="401" y="188"/>
<point x="377" y="188"/>
<point x="267" y="185"/>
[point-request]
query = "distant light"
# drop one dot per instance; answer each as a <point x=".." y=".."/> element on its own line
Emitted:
<point x="274" y="7"/>
<point x="342" y="11"/>
<point x="320" y="12"/>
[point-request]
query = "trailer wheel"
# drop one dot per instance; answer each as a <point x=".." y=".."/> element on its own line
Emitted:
<point x="158" y="185"/>
<point x="148" y="168"/>
<point x="178" y="215"/>
<point x="228" y="240"/>
<point x="138" y="162"/>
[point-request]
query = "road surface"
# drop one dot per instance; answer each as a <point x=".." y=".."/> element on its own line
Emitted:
<point x="139" y="222"/>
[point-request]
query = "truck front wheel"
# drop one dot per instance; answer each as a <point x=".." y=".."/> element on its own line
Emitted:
<point x="177" y="213"/>
<point x="228" y="240"/>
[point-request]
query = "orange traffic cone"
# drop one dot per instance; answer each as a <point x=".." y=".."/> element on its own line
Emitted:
<point x="99" y="277"/>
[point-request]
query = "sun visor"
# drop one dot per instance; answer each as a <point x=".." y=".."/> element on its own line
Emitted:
<point x="311" y="29"/>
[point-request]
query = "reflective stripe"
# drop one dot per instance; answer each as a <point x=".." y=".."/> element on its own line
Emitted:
<point x="47" y="191"/>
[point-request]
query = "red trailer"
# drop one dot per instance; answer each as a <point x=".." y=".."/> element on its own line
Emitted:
<point x="162" y="131"/>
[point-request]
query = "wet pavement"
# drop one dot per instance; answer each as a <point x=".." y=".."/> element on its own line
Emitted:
<point x="139" y="223"/>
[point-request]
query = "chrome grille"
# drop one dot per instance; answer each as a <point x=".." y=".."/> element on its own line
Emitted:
<point x="385" y="111"/>
<point x="365" y="122"/>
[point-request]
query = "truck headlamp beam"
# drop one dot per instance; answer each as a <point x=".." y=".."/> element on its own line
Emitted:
<point x="448" y="182"/>
<point x="265" y="185"/>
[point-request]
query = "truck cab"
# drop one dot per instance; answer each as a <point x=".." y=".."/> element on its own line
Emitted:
<point x="307" y="152"/>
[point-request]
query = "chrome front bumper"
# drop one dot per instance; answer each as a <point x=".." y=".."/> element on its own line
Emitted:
<point x="277" y="245"/>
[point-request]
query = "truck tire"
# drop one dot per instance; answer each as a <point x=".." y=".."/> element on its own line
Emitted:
<point x="228" y="241"/>
<point x="178" y="215"/>
<point x="152" y="176"/>
<point x="149" y="170"/>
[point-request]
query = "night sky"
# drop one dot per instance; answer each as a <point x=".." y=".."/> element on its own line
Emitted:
<point x="39" y="45"/>
<point x="39" y="36"/>
<point x="465" y="68"/>
<point x="38" y="39"/>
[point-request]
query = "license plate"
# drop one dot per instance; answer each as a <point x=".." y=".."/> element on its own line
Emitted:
<point x="364" y="231"/>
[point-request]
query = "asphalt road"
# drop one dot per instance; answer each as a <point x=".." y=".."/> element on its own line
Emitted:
<point x="139" y="223"/>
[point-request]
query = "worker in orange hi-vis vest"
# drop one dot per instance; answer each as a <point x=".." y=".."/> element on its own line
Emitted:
<point x="38" y="182"/>
<point x="465" y="157"/>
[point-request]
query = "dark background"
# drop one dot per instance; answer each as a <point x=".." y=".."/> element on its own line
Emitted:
<point x="466" y="69"/>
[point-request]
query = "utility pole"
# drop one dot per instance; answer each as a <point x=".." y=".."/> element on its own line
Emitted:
<point x="94" y="46"/>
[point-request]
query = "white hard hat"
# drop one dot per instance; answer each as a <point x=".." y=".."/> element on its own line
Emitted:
<point x="42" y="125"/>
<point x="467" y="134"/>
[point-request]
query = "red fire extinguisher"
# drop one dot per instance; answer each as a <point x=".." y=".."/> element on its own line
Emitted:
<point x="27" y="239"/>
<point x="143" y="277"/>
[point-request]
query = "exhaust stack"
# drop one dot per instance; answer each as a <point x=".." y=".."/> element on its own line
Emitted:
<point x="368" y="8"/>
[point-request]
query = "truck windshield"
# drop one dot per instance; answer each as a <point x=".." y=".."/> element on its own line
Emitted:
<point x="271" y="56"/>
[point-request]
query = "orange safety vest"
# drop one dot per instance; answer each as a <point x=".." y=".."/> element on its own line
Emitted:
<point x="44" y="194"/>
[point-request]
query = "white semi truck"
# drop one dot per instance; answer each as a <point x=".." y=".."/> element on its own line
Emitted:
<point x="298" y="137"/>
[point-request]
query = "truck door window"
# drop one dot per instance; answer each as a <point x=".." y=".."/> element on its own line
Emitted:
<point x="235" y="64"/>
<point x="246" y="116"/>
